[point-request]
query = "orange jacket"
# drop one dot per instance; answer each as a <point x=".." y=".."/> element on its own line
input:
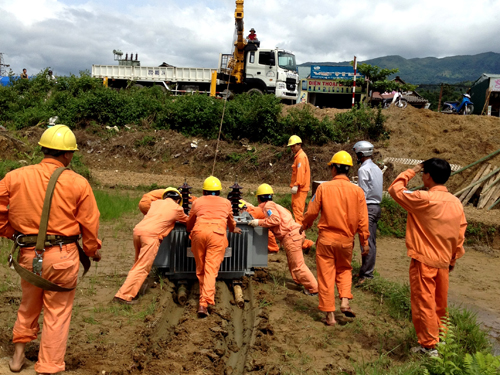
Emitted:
<point x="301" y="173"/>
<point x="73" y="211"/>
<point x="211" y="209"/>
<point x="278" y="219"/>
<point x="435" y="230"/>
<point x="256" y="212"/>
<point x="343" y="210"/>
<point x="152" y="196"/>
<point x="160" y="219"/>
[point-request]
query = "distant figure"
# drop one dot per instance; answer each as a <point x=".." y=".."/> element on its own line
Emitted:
<point x="50" y="76"/>
<point x="252" y="37"/>
<point x="24" y="74"/>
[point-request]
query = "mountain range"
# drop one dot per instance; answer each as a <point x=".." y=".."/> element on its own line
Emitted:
<point x="433" y="70"/>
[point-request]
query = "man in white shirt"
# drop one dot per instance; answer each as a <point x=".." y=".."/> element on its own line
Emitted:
<point x="370" y="179"/>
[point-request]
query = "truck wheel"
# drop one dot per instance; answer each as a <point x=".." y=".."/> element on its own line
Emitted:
<point x="138" y="86"/>
<point x="255" y="91"/>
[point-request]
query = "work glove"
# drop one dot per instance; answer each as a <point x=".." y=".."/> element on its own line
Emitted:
<point x="295" y="189"/>
<point x="254" y="223"/>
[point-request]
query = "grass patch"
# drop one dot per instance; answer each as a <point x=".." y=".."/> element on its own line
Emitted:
<point x="8" y="165"/>
<point x="393" y="219"/>
<point x="112" y="206"/>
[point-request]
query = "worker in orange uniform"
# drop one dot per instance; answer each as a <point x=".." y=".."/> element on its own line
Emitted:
<point x="148" y="234"/>
<point x="280" y="221"/>
<point x="435" y="233"/>
<point x="257" y="213"/>
<point x="301" y="181"/>
<point x="73" y="213"/>
<point x="343" y="214"/>
<point x="208" y="219"/>
<point x="154" y="195"/>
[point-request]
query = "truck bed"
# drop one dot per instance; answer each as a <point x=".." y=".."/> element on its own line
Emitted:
<point x="152" y="73"/>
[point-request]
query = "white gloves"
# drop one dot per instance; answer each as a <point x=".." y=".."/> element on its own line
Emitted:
<point x="254" y="223"/>
<point x="295" y="189"/>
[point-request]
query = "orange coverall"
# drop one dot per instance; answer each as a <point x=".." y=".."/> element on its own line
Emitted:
<point x="73" y="211"/>
<point x="280" y="221"/>
<point x="152" y="196"/>
<point x="435" y="233"/>
<point x="156" y="225"/>
<point x="257" y="213"/>
<point x="208" y="219"/>
<point x="343" y="214"/>
<point x="301" y="177"/>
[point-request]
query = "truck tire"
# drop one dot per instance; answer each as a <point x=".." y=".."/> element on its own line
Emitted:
<point x="138" y="86"/>
<point x="255" y="91"/>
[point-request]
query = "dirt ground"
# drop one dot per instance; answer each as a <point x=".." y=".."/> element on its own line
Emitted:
<point x="279" y="330"/>
<point x="474" y="283"/>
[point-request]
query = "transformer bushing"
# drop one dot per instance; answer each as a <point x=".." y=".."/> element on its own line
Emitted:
<point x="186" y="194"/>
<point x="235" y="197"/>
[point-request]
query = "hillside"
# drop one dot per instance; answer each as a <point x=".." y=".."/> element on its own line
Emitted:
<point x="432" y="70"/>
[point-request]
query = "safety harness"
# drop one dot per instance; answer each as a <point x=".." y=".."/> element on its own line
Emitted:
<point x="41" y="240"/>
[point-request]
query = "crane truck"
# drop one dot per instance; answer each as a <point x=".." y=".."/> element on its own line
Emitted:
<point x="248" y="69"/>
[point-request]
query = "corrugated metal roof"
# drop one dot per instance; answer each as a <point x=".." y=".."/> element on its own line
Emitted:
<point x="484" y="77"/>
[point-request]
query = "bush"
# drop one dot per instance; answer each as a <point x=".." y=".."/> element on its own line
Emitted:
<point x="393" y="219"/>
<point x="83" y="99"/>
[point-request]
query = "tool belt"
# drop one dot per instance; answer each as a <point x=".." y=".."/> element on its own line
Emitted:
<point x="29" y="240"/>
<point x="41" y="240"/>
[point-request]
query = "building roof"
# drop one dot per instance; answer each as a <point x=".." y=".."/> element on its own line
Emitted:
<point x="484" y="77"/>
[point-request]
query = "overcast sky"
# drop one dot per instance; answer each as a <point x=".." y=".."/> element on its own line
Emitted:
<point x="70" y="36"/>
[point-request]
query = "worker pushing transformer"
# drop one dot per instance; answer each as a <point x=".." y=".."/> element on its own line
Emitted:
<point x="158" y="222"/>
<point x="280" y="221"/>
<point x="208" y="219"/>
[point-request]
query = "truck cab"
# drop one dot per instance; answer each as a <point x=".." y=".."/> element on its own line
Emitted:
<point x="266" y="71"/>
<point x="272" y="71"/>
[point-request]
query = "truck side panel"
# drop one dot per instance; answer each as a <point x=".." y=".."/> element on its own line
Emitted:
<point x="152" y="74"/>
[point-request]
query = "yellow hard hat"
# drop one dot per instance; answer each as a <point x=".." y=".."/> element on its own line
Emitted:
<point x="341" y="157"/>
<point x="59" y="137"/>
<point x="212" y="184"/>
<point x="175" y="191"/>
<point x="242" y="204"/>
<point x="264" y="189"/>
<point x="294" y="139"/>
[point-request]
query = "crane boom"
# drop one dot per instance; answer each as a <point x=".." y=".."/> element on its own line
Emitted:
<point x="239" y="44"/>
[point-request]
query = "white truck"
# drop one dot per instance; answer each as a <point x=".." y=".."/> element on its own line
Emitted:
<point x="248" y="69"/>
<point x="266" y="71"/>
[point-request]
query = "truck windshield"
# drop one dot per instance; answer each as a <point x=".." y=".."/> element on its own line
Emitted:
<point x="287" y="61"/>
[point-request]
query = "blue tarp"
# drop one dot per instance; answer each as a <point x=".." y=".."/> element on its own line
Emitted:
<point x="6" y="81"/>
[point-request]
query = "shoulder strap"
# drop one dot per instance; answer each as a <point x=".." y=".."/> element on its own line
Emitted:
<point x="44" y="221"/>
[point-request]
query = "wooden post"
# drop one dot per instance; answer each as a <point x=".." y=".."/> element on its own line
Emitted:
<point x="487" y="101"/>
<point x="440" y="96"/>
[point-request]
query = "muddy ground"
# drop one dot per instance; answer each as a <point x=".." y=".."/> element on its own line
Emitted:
<point x="279" y="330"/>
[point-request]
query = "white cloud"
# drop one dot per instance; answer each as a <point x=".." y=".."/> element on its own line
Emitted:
<point x="71" y="35"/>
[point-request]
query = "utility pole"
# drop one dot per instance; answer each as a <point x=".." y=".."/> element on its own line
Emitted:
<point x="3" y="71"/>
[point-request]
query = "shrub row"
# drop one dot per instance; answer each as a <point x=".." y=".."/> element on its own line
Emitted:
<point x="79" y="100"/>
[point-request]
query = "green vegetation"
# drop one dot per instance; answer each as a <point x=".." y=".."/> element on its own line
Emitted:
<point x="112" y="206"/>
<point x="7" y="166"/>
<point x="84" y="102"/>
<point x="450" y="93"/>
<point x="393" y="219"/>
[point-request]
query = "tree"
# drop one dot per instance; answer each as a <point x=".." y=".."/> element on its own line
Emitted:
<point x="377" y="78"/>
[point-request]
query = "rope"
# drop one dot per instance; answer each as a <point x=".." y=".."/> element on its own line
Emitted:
<point x="221" y="120"/>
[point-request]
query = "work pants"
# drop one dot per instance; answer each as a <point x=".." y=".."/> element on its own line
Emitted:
<point x="298" y="207"/>
<point x="208" y="246"/>
<point x="333" y="261"/>
<point x="429" y="300"/>
<point x="146" y="247"/>
<point x="368" y="261"/>
<point x="272" y="246"/>
<point x="60" y="266"/>
<point x="301" y="274"/>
